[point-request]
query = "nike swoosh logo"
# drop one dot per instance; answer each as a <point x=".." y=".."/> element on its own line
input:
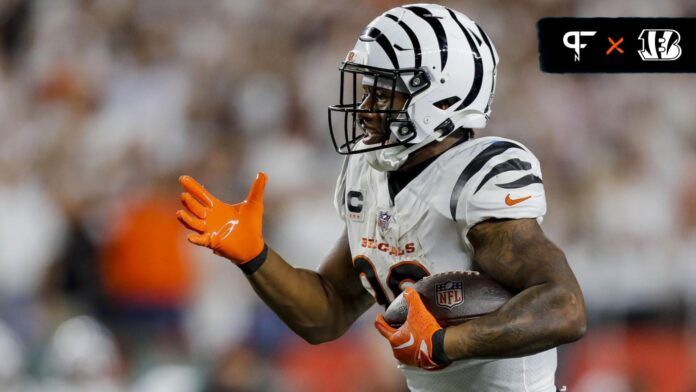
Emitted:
<point x="424" y="359"/>
<point x="424" y="348"/>
<point x="511" y="202"/>
<point x="407" y="344"/>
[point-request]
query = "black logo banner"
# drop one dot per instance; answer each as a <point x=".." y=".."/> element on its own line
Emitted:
<point x="578" y="45"/>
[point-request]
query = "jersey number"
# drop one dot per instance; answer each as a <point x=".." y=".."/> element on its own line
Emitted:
<point x="400" y="273"/>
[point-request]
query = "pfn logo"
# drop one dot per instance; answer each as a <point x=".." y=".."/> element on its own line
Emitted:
<point x="575" y="44"/>
<point x="659" y="45"/>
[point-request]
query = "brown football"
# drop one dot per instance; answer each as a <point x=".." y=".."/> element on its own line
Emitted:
<point x="452" y="298"/>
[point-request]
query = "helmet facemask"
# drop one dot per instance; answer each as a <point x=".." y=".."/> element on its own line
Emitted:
<point x="344" y="127"/>
<point x="439" y="57"/>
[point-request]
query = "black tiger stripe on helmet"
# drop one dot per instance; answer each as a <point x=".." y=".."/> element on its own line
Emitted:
<point x="478" y="65"/>
<point x="411" y="36"/>
<point x="375" y="34"/>
<point x="438" y="29"/>
<point x="489" y="45"/>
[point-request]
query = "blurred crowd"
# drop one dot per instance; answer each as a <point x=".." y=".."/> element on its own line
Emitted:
<point x="104" y="103"/>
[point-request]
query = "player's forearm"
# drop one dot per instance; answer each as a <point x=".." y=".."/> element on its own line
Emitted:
<point x="537" y="319"/>
<point x="301" y="298"/>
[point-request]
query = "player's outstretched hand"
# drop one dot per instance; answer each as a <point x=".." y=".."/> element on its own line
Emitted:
<point x="230" y="230"/>
<point x="420" y="340"/>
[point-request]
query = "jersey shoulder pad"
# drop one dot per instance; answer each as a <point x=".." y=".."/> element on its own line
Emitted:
<point x="495" y="178"/>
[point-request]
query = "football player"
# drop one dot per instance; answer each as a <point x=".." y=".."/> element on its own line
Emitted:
<point x="418" y="195"/>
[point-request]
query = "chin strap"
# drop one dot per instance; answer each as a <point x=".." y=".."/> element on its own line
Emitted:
<point x="391" y="159"/>
<point x="428" y="139"/>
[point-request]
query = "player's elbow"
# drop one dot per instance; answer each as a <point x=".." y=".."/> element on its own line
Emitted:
<point x="578" y="328"/>
<point x="320" y="331"/>
<point x="316" y="337"/>
<point x="574" y="330"/>
<point x="574" y="323"/>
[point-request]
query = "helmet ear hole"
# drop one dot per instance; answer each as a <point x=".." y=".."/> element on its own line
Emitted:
<point x="446" y="103"/>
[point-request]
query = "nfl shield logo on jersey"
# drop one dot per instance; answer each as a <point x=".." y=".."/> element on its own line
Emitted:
<point x="449" y="294"/>
<point x="383" y="219"/>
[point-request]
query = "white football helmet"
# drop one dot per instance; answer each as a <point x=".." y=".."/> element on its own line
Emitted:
<point x="439" y="57"/>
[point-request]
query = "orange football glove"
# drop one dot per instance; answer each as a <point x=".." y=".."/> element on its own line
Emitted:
<point x="420" y="340"/>
<point x="230" y="230"/>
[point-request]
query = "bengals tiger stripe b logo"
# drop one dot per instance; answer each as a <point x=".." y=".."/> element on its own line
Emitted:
<point x="660" y="45"/>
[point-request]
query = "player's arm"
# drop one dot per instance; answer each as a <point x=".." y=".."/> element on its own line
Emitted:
<point x="548" y="311"/>
<point x="318" y="306"/>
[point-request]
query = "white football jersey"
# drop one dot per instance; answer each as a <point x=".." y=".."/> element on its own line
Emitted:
<point x="395" y="243"/>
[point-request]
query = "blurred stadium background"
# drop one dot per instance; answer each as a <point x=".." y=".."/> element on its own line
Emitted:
<point x="104" y="103"/>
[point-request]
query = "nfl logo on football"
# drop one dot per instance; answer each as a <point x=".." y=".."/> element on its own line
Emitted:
<point x="449" y="294"/>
